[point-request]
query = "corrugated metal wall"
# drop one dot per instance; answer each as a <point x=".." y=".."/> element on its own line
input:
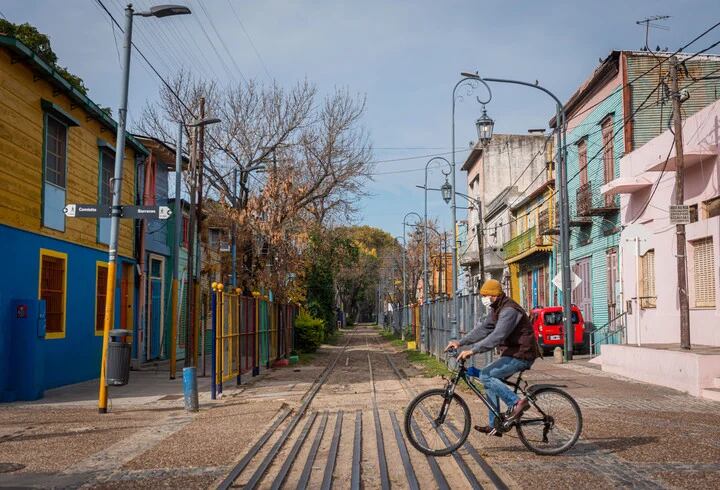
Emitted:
<point x="591" y="241"/>
<point x="653" y="118"/>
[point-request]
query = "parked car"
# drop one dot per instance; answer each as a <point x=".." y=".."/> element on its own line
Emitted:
<point x="547" y="323"/>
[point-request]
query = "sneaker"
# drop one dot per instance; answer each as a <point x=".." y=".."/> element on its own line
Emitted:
<point x="520" y="407"/>
<point x="491" y="431"/>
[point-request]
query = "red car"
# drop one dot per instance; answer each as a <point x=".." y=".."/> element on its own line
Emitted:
<point x="547" y="323"/>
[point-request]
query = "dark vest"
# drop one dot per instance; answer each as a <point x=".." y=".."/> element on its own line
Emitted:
<point x="521" y="343"/>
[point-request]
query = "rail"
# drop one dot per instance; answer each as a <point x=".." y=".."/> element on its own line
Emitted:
<point x="613" y="332"/>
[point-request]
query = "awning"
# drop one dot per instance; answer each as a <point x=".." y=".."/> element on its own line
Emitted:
<point x="625" y="185"/>
<point x="529" y="252"/>
<point x="692" y="156"/>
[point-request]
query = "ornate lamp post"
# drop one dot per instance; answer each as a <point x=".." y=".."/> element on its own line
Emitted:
<point x="560" y="123"/>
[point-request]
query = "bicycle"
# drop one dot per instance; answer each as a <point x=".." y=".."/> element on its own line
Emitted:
<point x="437" y="421"/>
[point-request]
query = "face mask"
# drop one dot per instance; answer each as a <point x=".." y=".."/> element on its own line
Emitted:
<point x="486" y="300"/>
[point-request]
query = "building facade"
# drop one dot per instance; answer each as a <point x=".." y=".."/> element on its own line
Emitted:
<point x="620" y="107"/>
<point x="528" y="253"/>
<point x="497" y="175"/>
<point x="56" y="148"/>
<point x="647" y="243"/>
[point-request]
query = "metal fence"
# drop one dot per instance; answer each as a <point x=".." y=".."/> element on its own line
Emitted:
<point x="250" y="332"/>
<point x="429" y="325"/>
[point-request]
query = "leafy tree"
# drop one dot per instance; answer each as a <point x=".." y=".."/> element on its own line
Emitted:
<point x="40" y="44"/>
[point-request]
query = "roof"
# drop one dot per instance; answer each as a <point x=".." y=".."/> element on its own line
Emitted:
<point x="46" y="71"/>
<point x="472" y="157"/>
<point x="548" y="184"/>
<point x="164" y="151"/>
<point x="499" y="203"/>
<point x="609" y="68"/>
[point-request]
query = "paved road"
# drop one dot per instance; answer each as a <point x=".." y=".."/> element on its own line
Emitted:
<point x="343" y="408"/>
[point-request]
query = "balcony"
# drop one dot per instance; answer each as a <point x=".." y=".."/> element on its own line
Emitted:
<point x="526" y="244"/>
<point x="589" y="204"/>
<point x="547" y="223"/>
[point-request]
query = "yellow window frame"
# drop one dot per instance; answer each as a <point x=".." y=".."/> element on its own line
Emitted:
<point x="98" y="264"/>
<point x="44" y="252"/>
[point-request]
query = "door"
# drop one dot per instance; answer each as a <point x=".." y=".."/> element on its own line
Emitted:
<point x="127" y="282"/>
<point x="611" y="259"/>
<point x="581" y="295"/>
<point x="156" y="314"/>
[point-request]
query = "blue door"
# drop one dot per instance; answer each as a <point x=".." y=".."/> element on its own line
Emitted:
<point x="534" y="301"/>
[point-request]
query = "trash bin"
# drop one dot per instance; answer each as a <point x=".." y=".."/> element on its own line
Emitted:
<point x="118" y="358"/>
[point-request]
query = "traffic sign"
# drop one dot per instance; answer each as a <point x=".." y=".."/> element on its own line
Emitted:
<point x="103" y="211"/>
<point x="87" y="211"/>
<point x="574" y="280"/>
<point x="146" y="212"/>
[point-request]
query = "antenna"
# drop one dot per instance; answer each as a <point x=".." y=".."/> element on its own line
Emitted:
<point x="649" y="23"/>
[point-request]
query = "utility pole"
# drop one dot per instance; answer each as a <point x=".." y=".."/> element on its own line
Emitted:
<point x="176" y="251"/>
<point x="481" y="244"/>
<point x="680" y="200"/>
<point x="190" y="320"/>
<point x="198" y="251"/>
<point x="233" y="240"/>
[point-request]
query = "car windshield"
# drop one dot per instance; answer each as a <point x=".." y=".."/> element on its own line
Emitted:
<point x="555" y="317"/>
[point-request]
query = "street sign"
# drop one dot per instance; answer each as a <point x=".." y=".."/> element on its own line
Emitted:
<point x="101" y="211"/>
<point x="679" y="214"/>
<point x="146" y="212"/>
<point x="574" y="280"/>
<point x="87" y="211"/>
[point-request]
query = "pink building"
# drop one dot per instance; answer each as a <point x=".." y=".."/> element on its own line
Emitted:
<point x="649" y="279"/>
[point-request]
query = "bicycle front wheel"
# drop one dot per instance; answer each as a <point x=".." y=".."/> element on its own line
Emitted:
<point x="437" y="424"/>
<point x="552" y="424"/>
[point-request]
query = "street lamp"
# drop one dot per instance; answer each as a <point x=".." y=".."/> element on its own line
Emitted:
<point x="446" y="191"/>
<point x="560" y="123"/>
<point x="159" y="11"/>
<point x="178" y="232"/>
<point x="469" y="80"/>
<point x="484" y="126"/>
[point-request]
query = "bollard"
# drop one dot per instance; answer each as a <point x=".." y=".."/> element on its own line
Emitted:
<point x="190" y="389"/>
<point x="558" y="355"/>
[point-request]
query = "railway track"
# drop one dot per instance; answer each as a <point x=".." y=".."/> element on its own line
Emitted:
<point x="330" y="441"/>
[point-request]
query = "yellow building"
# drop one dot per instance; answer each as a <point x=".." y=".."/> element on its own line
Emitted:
<point x="57" y="148"/>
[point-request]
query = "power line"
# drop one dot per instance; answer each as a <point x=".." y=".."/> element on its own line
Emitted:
<point x="257" y="53"/>
<point x="222" y="42"/>
<point x="630" y="82"/>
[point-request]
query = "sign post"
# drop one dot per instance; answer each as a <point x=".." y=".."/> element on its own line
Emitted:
<point x="105" y="211"/>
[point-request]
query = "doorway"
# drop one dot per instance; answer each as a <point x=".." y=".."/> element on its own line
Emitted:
<point x="156" y="300"/>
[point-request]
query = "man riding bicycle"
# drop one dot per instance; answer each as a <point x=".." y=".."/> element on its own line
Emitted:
<point x="507" y="326"/>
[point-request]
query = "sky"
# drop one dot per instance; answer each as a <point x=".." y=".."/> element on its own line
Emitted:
<point x="403" y="56"/>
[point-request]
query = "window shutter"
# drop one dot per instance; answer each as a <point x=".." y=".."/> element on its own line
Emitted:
<point x="704" y="272"/>
<point x="647" y="280"/>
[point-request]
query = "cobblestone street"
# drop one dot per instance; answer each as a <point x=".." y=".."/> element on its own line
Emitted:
<point x="635" y="435"/>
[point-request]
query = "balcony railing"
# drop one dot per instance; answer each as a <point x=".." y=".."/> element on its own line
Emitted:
<point x="589" y="204"/>
<point x="524" y="242"/>
<point x="547" y="222"/>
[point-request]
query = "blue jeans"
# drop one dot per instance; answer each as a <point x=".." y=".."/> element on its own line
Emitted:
<point x="492" y="374"/>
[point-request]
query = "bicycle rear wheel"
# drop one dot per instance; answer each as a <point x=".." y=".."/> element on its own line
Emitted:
<point x="552" y="424"/>
<point x="427" y="421"/>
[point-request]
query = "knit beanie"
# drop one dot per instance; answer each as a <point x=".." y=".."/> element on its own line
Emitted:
<point x="491" y="287"/>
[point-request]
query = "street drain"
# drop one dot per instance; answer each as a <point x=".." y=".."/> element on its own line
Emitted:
<point x="10" y="467"/>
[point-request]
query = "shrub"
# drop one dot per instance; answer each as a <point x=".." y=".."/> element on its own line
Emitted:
<point x="309" y="332"/>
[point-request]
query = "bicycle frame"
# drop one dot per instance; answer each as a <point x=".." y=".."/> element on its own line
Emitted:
<point x="527" y="391"/>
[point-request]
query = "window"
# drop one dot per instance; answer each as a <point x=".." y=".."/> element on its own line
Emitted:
<point x="704" y="272"/>
<point x="582" y="161"/>
<point x="608" y="148"/>
<point x="215" y="236"/>
<point x="101" y="276"/>
<point x="55" y="152"/>
<point x="711" y="208"/>
<point x="608" y="155"/>
<point x="105" y="191"/>
<point x="185" y="231"/>
<point x="107" y="169"/>
<point x="647" y="280"/>
<point x="53" y="286"/>
<point x="55" y="173"/>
